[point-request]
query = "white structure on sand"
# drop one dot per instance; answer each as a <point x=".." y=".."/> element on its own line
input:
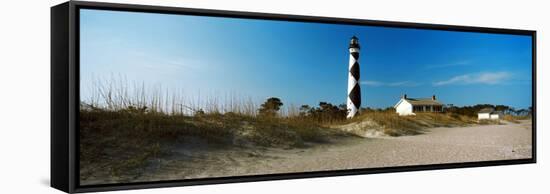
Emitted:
<point x="489" y="113"/>
<point x="410" y="106"/>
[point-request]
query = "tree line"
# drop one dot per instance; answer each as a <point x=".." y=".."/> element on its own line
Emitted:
<point x="323" y="113"/>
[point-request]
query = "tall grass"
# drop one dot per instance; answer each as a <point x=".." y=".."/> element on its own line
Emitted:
<point x="117" y="93"/>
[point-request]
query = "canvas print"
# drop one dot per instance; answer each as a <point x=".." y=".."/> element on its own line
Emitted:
<point x="179" y="97"/>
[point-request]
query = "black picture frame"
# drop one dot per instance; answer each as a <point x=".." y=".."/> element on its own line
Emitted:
<point x="65" y="95"/>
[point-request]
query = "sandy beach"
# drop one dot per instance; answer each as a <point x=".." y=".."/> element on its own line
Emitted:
<point x="436" y="145"/>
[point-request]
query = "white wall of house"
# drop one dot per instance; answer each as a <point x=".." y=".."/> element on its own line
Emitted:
<point x="483" y="116"/>
<point x="489" y="116"/>
<point x="404" y="108"/>
<point x="495" y="116"/>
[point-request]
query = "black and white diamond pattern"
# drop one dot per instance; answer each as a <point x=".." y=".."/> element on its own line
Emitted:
<point x="354" y="90"/>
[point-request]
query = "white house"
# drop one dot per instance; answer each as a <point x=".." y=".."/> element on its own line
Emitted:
<point x="489" y="113"/>
<point x="410" y="106"/>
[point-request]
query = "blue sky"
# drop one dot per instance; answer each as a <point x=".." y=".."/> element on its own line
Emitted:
<point x="303" y="63"/>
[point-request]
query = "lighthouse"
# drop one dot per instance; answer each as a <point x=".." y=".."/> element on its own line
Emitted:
<point x="354" y="90"/>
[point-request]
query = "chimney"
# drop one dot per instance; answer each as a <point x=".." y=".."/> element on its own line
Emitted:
<point x="433" y="97"/>
<point x="404" y="96"/>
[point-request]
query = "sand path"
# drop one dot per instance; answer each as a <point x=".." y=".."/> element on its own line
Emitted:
<point x="438" y="145"/>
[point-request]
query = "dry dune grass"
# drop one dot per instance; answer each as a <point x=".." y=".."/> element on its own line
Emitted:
<point x="516" y="119"/>
<point x="122" y="141"/>
<point x="389" y="123"/>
